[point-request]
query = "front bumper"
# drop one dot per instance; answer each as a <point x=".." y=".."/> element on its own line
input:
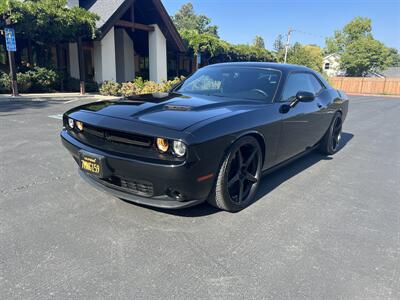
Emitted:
<point x="166" y="179"/>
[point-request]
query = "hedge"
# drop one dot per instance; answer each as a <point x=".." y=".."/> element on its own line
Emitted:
<point x="136" y="87"/>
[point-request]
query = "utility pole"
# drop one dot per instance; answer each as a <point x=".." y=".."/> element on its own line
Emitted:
<point x="288" y="43"/>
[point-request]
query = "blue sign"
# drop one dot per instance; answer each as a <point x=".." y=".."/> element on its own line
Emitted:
<point x="198" y="58"/>
<point x="10" y="39"/>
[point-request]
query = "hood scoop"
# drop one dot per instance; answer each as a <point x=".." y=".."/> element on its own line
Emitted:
<point x="177" y="107"/>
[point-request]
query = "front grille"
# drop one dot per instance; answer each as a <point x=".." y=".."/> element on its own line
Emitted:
<point x="118" y="137"/>
<point x="137" y="187"/>
<point x="144" y="188"/>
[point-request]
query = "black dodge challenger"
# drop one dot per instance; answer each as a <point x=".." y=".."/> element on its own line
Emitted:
<point x="210" y="138"/>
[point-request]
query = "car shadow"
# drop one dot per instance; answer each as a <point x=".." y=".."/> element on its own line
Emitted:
<point x="268" y="183"/>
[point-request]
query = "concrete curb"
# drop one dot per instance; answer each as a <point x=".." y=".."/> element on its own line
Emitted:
<point x="56" y="96"/>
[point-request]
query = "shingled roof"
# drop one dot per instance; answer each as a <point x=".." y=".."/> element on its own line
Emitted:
<point x="105" y="9"/>
<point x="111" y="11"/>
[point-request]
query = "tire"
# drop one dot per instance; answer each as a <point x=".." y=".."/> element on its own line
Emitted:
<point x="330" y="143"/>
<point x="238" y="177"/>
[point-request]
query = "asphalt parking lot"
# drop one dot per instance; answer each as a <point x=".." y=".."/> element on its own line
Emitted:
<point x="322" y="228"/>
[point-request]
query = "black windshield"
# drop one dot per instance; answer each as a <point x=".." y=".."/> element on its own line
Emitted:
<point x="233" y="82"/>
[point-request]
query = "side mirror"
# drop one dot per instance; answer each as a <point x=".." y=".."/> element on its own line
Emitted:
<point x="305" y="96"/>
<point x="302" y="96"/>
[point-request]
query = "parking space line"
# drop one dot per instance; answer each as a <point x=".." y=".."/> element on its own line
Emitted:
<point x="71" y="101"/>
<point x="58" y="117"/>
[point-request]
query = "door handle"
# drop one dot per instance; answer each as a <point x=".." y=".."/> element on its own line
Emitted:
<point x="319" y="105"/>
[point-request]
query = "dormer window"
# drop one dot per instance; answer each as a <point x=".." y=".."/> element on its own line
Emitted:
<point x="327" y="66"/>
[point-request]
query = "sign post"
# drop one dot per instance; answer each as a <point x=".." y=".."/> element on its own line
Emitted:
<point x="12" y="48"/>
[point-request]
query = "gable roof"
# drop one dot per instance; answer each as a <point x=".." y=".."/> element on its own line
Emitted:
<point x="105" y="9"/>
<point x="336" y="55"/>
<point x="111" y="11"/>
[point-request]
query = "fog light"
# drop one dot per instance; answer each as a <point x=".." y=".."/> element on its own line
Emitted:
<point x="71" y="123"/>
<point x="79" y="125"/>
<point x="162" y="145"/>
<point x="179" y="148"/>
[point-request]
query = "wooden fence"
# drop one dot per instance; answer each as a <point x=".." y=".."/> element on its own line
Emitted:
<point x="366" y="85"/>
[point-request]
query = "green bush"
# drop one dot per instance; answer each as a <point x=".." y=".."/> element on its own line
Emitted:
<point x="128" y="89"/>
<point x="137" y="87"/>
<point x="43" y="80"/>
<point x="23" y="79"/>
<point x="24" y="82"/>
<point x="110" y="88"/>
<point x="34" y="80"/>
<point x="5" y="83"/>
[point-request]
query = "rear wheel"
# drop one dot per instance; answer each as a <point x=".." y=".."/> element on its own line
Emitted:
<point x="330" y="143"/>
<point x="239" y="176"/>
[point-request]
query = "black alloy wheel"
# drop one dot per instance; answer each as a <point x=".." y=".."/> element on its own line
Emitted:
<point x="330" y="143"/>
<point x="336" y="134"/>
<point x="239" y="176"/>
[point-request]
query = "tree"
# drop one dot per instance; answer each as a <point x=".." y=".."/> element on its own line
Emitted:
<point x="48" y="23"/>
<point x="308" y="55"/>
<point x="279" y="43"/>
<point x="206" y="43"/>
<point x="365" y="55"/>
<point x="360" y="52"/>
<point x="187" y="19"/>
<point x="259" y="42"/>
<point x="200" y="37"/>
<point x="394" y="57"/>
<point x="357" y="28"/>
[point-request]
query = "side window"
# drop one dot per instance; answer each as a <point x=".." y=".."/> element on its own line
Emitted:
<point x="295" y="83"/>
<point x="316" y="84"/>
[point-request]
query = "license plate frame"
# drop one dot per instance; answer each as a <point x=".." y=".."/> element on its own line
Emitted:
<point x="93" y="164"/>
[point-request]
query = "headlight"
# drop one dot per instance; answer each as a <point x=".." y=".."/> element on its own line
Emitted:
<point x="71" y="123"/>
<point x="179" y="148"/>
<point x="162" y="145"/>
<point x="79" y="125"/>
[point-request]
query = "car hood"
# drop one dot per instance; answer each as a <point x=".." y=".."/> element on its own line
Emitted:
<point x="169" y="110"/>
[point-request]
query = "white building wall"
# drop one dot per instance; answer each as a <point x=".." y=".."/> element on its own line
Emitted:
<point x="108" y="58"/>
<point x="119" y="54"/>
<point x="73" y="60"/>
<point x="157" y="55"/>
<point x="334" y="65"/>
<point x="129" y="57"/>
<point x="97" y="61"/>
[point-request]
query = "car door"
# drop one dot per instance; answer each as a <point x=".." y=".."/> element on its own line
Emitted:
<point x="301" y="123"/>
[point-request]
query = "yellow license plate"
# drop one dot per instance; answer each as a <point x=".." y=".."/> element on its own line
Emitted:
<point x="91" y="165"/>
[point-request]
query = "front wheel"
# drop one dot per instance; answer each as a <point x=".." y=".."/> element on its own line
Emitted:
<point x="239" y="176"/>
<point x="330" y="143"/>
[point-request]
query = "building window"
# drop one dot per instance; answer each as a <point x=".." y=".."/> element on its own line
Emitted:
<point x="327" y="65"/>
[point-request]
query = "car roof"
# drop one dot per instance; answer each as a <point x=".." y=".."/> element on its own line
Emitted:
<point x="270" y="65"/>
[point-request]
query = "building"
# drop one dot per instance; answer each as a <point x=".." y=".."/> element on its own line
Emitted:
<point x="391" y="72"/>
<point x="137" y="38"/>
<point x="331" y="65"/>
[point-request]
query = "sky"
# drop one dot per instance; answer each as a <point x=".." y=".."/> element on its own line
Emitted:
<point x="239" y="21"/>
